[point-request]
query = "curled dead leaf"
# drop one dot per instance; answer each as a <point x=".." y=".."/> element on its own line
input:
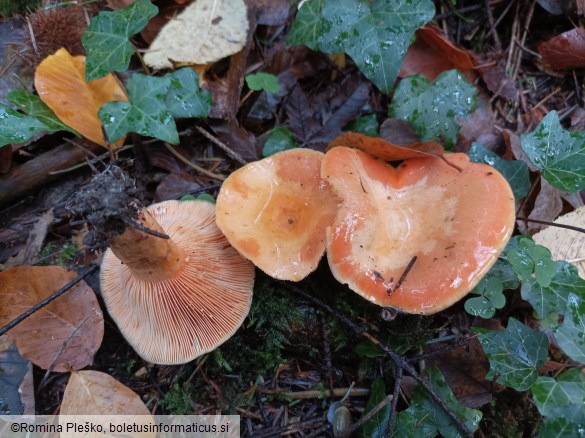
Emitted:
<point x="60" y="82"/>
<point x="63" y="335"/>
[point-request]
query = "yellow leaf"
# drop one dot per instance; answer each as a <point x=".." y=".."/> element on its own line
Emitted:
<point x="564" y="244"/>
<point x="60" y="82"/>
<point x="205" y="32"/>
<point x="97" y="393"/>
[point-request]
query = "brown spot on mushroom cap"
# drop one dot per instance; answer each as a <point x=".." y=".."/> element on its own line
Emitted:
<point x="456" y="223"/>
<point x="175" y="320"/>
<point x="275" y="212"/>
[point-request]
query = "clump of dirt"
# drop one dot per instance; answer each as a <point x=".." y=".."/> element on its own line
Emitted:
<point x="108" y="203"/>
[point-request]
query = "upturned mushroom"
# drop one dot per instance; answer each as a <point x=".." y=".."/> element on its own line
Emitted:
<point x="418" y="237"/>
<point x="170" y="280"/>
<point x="275" y="212"/>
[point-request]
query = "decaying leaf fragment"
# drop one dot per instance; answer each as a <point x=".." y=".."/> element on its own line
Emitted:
<point x="205" y="32"/>
<point x="565" y="244"/>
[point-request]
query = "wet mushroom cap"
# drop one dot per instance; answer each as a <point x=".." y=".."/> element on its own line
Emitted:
<point x="275" y="212"/>
<point x="194" y="310"/>
<point x="456" y="223"/>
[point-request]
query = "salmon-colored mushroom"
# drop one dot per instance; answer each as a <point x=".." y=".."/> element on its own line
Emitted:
<point x="178" y="298"/>
<point x="417" y="237"/>
<point x="275" y="212"/>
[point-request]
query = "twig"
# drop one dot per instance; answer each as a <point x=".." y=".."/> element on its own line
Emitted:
<point x="491" y="22"/>
<point x="552" y="224"/>
<point x="47" y="300"/>
<point x="405" y="273"/>
<point x="230" y="153"/>
<point x="370" y="414"/>
<point x="399" y="361"/>
<point x="395" y="393"/>
<point x="199" y="169"/>
<point x="314" y="393"/>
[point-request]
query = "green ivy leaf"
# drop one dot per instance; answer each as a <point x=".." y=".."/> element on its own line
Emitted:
<point x="432" y="109"/>
<point x="206" y="197"/>
<point x="571" y="334"/>
<point x="184" y="98"/>
<point x="33" y="106"/>
<point x="146" y="113"/>
<point x="375" y="34"/>
<point x="528" y="258"/>
<point x="280" y="139"/>
<point x="263" y="81"/>
<point x="106" y="39"/>
<point x="367" y="125"/>
<point x="490" y="289"/>
<point x="515" y="354"/>
<point x="553" y="299"/>
<point x="515" y="171"/>
<point x="16" y="127"/>
<point x="570" y="423"/>
<point x="424" y="418"/>
<point x="566" y="391"/>
<point x="367" y="349"/>
<point x="558" y="153"/>
<point x="376" y="426"/>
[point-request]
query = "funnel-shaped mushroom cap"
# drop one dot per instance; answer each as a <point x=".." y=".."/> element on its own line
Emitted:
<point x="194" y="310"/>
<point x="275" y="212"/>
<point x="456" y="223"/>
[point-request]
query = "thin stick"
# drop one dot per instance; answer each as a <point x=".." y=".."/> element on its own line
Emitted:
<point x="491" y="22"/>
<point x="405" y="273"/>
<point x="397" y="381"/>
<point x="230" y="153"/>
<point x="193" y="165"/>
<point x="552" y="224"/>
<point x="370" y="414"/>
<point x="47" y="300"/>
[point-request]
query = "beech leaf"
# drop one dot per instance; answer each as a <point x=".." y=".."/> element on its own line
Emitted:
<point x="97" y="393"/>
<point x="146" y="113"/>
<point x="66" y="333"/>
<point x="205" y="32"/>
<point x="106" y="39"/>
<point x="60" y="82"/>
<point x="375" y="34"/>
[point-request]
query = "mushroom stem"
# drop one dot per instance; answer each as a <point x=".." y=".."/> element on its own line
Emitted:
<point x="149" y="257"/>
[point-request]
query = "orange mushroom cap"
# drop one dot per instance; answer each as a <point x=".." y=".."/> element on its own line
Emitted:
<point x="455" y="222"/>
<point x="192" y="310"/>
<point x="275" y="212"/>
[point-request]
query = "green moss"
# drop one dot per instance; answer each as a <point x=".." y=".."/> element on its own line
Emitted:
<point x="510" y="415"/>
<point x="10" y="7"/>
<point x="177" y="400"/>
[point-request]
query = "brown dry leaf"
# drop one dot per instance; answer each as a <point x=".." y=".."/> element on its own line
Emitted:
<point x="564" y="244"/>
<point x="119" y="4"/>
<point x="398" y="132"/>
<point x="63" y="335"/>
<point x="60" y="82"/>
<point x="206" y="31"/>
<point x="465" y="369"/>
<point x="380" y="148"/>
<point x="480" y="126"/>
<point x="566" y="50"/>
<point x="432" y="53"/>
<point x="97" y="393"/>
<point x="547" y="206"/>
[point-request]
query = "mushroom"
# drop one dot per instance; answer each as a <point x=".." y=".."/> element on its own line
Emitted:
<point x="418" y="237"/>
<point x="175" y="299"/>
<point x="275" y="212"/>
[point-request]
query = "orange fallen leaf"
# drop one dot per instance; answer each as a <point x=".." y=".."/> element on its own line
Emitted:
<point x="566" y="50"/>
<point x="380" y="148"/>
<point x="97" y="393"/>
<point x="66" y="333"/>
<point x="432" y="53"/>
<point x="60" y="82"/>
